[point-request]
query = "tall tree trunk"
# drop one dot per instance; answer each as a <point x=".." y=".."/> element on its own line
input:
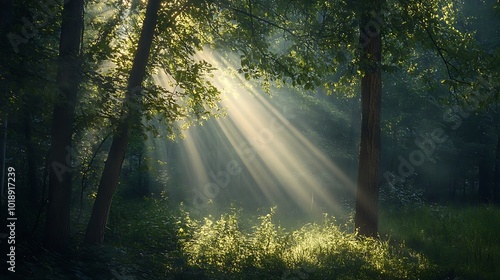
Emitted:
<point x="366" y="217"/>
<point x="112" y="167"/>
<point x="5" y="26"/>
<point x="3" y="150"/>
<point x="32" y="162"/>
<point x="57" y="229"/>
<point x="6" y="13"/>
<point x="496" y="186"/>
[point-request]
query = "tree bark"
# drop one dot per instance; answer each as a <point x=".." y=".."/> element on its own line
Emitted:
<point x="111" y="174"/>
<point x="366" y="216"/>
<point x="57" y="229"/>
<point x="496" y="187"/>
<point x="6" y="13"/>
<point x="3" y="150"/>
<point x="31" y="160"/>
<point x="5" y="26"/>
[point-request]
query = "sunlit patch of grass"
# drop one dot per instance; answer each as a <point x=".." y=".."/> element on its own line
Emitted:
<point x="221" y="249"/>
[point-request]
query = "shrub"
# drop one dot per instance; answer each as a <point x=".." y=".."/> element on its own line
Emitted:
<point x="220" y="249"/>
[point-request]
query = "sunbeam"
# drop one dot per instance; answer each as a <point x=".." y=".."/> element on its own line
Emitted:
<point x="255" y="156"/>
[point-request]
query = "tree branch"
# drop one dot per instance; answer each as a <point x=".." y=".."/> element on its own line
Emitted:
<point x="447" y="63"/>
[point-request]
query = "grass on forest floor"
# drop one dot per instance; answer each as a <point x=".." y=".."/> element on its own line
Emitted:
<point x="464" y="242"/>
<point x="219" y="249"/>
<point x="146" y="240"/>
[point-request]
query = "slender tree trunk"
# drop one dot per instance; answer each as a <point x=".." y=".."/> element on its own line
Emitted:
<point x="6" y="13"/>
<point x="112" y="167"/>
<point x="496" y="187"/>
<point x="5" y="26"/>
<point x="32" y="162"/>
<point x="3" y="150"/>
<point x="366" y="217"/>
<point x="57" y="229"/>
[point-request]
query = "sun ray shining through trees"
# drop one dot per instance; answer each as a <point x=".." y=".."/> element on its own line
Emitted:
<point x="275" y="163"/>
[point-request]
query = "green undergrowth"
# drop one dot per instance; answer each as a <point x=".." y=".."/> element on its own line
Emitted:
<point x="219" y="248"/>
<point x="464" y="242"/>
<point x="147" y="239"/>
<point x="140" y="243"/>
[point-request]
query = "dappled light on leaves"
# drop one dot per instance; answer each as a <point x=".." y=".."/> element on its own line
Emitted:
<point x="224" y="247"/>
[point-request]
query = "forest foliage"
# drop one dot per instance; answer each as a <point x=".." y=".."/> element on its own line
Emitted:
<point x="439" y="124"/>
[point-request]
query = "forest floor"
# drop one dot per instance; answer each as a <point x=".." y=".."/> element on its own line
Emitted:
<point x="147" y="239"/>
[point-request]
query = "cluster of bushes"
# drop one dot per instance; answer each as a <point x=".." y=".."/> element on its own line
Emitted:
<point x="223" y="249"/>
